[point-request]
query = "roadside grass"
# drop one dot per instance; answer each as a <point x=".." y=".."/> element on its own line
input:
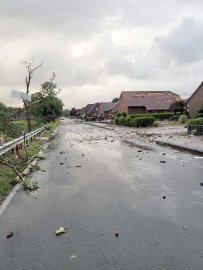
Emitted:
<point x="52" y="126"/>
<point x="22" y="124"/>
<point x="7" y="175"/>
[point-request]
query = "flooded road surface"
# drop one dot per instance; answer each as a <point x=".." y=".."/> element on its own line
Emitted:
<point x="124" y="209"/>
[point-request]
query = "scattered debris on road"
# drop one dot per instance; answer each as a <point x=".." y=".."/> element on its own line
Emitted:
<point x="78" y="166"/>
<point x="60" y="230"/>
<point x="62" y="152"/>
<point x="201" y="184"/>
<point x="116" y="234"/>
<point x="164" y="197"/>
<point x="9" y="235"/>
<point x="73" y="257"/>
<point x="61" y="163"/>
<point x="162" y="161"/>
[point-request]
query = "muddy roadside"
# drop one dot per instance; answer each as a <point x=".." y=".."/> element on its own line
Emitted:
<point x="168" y="136"/>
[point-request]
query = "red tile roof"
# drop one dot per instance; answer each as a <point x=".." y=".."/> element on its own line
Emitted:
<point x="152" y="100"/>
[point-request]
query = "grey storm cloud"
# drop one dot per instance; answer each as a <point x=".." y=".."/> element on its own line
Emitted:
<point x="184" y="44"/>
<point x="97" y="48"/>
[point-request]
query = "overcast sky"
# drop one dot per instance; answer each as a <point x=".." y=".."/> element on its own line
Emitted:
<point x="97" y="48"/>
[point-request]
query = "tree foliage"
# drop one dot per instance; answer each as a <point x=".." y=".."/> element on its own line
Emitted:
<point x="66" y="112"/>
<point x="73" y="112"/>
<point x="16" y="112"/>
<point x="7" y="126"/>
<point x="114" y="100"/>
<point x="45" y="103"/>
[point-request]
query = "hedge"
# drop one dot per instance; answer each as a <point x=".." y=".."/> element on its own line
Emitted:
<point x="196" y="121"/>
<point x="142" y="121"/>
<point x="135" y="122"/>
<point x="158" y="116"/>
<point x="91" y="118"/>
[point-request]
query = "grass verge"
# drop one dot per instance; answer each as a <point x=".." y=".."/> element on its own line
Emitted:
<point x="7" y="175"/>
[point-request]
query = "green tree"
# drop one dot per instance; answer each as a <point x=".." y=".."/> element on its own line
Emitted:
<point x="73" y="112"/>
<point x="114" y="100"/>
<point x="45" y="103"/>
<point x="16" y="112"/>
<point x="7" y="127"/>
<point x="66" y="112"/>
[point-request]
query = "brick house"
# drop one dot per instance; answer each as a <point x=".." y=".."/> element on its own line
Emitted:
<point x="195" y="101"/>
<point x="140" y="102"/>
<point x="105" y="109"/>
<point x="85" y="109"/>
<point x="94" y="109"/>
<point x="114" y="108"/>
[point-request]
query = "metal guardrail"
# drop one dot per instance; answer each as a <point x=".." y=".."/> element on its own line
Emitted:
<point x="196" y="129"/>
<point x="4" y="148"/>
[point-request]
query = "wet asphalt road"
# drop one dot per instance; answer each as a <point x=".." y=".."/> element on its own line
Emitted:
<point x="116" y="189"/>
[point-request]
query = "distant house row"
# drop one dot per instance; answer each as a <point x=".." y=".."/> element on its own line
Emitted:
<point x="141" y="102"/>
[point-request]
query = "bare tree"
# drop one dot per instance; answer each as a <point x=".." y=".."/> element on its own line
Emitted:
<point x="30" y="73"/>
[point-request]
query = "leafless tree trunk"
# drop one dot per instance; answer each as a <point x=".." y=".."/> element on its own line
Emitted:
<point x="30" y="72"/>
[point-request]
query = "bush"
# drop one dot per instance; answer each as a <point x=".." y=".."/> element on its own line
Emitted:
<point x="91" y="118"/>
<point x="182" y="119"/>
<point x="143" y="121"/>
<point x="196" y="121"/>
<point x="116" y="120"/>
<point x="124" y="114"/>
<point x="135" y="122"/>
<point x="121" y="120"/>
<point x="158" y="116"/>
<point x="118" y="114"/>
<point x="128" y="120"/>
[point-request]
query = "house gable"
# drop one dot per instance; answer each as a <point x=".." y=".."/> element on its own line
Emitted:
<point x="195" y="101"/>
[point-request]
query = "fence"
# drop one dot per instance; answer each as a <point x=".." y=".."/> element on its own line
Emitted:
<point x="4" y="148"/>
<point x="195" y="129"/>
